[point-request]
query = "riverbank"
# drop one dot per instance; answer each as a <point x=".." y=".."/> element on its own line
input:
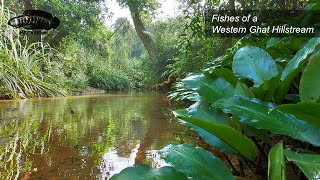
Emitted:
<point x="87" y="91"/>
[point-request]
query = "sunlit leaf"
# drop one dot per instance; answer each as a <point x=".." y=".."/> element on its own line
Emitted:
<point x="255" y="64"/>
<point x="145" y="172"/>
<point x="307" y="111"/>
<point x="310" y="81"/>
<point x="228" y="135"/>
<point x="294" y="67"/>
<point x="262" y="115"/>
<point x="209" y="87"/>
<point x="277" y="163"/>
<point x="195" y="162"/>
<point x="243" y="91"/>
<point x="202" y="110"/>
<point x="226" y="74"/>
<point x="308" y="163"/>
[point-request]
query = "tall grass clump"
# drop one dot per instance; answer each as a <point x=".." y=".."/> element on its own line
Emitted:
<point x="24" y="67"/>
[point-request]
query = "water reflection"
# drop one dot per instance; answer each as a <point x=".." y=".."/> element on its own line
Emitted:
<point x="90" y="137"/>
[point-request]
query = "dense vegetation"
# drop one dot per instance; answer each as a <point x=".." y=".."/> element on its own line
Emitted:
<point x="81" y="53"/>
<point x="255" y="99"/>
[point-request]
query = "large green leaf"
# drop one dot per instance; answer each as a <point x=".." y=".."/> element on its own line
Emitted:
<point x="255" y="64"/>
<point x="259" y="133"/>
<point x="209" y="87"/>
<point x="243" y="91"/>
<point x="308" y="163"/>
<point x="294" y="67"/>
<point x="237" y="141"/>
<point x="262" y="115"/>
<point x="195" y="162"/>
<point x="203" y="111"/>
<point x="226" y="74"/>
<point x="277" y="163"/>
<point x="310" y="81"/>
<point x="306" y="111"/>
<point x="145" y="172"/>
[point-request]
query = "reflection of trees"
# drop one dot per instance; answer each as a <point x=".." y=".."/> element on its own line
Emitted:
<point x="68" y="136"/>
<point x="48" y="132"/>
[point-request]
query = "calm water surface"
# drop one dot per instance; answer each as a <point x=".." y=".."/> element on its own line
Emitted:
<point x="84" y="137"/>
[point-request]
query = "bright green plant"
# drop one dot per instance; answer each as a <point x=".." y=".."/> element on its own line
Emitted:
<point x="23" y="66"/>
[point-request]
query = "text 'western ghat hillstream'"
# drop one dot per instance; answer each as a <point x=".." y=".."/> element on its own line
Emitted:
<point x="261" y="23"/>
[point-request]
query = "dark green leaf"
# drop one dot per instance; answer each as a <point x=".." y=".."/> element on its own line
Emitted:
<point x="243" y="91"/>
<point x="145" y="172"/>
<point x="202" y="110"/>
<point x="255" y="64"/>
<point x="262" y="115"/>
<point x="228" y="135"/>
<point x="259" y="133"/>
<point x="277" y="163"/>
<point x="308" y="163"/>
<point x="272" y="41"/>
<point x="210" y="88"/>
<point x="226" y="74"/>
<point x="310" y="81"/>
<point x="295" y="98"/>
<point x="294" y="67"/>
<point x="306" y="111"/>
<point x="277" y="48"/>
<point x="195" y="162"/>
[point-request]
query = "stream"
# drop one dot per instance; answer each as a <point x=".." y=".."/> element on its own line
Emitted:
<point x="85" y="137"/>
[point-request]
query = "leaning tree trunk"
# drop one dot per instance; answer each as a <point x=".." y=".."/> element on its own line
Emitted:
<point x="141" y="31"/>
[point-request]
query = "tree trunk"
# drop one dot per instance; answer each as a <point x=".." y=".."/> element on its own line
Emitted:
<point x="141" y="31"/>
<point x="231" y="5"/>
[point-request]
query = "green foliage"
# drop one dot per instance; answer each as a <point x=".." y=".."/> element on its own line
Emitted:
<point x="309" y="163"/>
<point x="228" y="135"/>
<point x="145" y="172"/>
<point x="209" y="87"/>
<point x="277" y="163"/>
<point x="77" y="19"/>
<point x="24" y="68"/>
<point x="202" y="110"/>
<point x="294" y="66"/>
<point x="109" y="78"/>
<point x="146" y="7"/>
<point x="254" y="64"/>
<point x="204" y="164"/>
<point x="307" y="111"/>
<point x="262" y="115"/>
<point x="310" y="85"/>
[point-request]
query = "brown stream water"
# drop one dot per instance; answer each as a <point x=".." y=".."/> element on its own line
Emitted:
<point x="85" y="137"/>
